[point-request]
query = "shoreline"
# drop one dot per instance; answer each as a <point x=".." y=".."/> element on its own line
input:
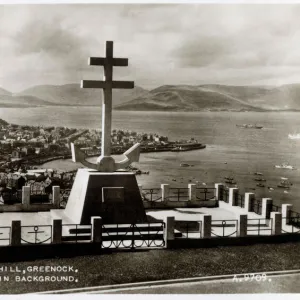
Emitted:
<point x="68" y="156"/>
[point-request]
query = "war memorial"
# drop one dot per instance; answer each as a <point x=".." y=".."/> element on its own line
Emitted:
<point x="108" y="212"/>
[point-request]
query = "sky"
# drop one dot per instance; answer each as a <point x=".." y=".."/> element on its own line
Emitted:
<point x="235" y="44"/>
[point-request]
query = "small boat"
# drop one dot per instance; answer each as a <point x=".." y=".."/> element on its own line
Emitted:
<point x="259" y="179"/>
<point x="285" y="166"/>
<point x="260" y="185"/>
<point x="249" y="126"/>
<point x="230" y="181"/>
<point x="294" y="136"/>
<point x="285" y="184"/>
<point x="286" y="192"/>
<point x="228" y="178"/>
<point x="184" y="165"/>
<point x="258" y="173"/>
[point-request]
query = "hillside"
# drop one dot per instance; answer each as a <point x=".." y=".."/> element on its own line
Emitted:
<point x="186" y="98"/>
<point x="72" y="94"/>
<point x="4" y="92"/>
<point x="209" y="97"/>
<point x="22" y="101"/>
<point x="214" y="97"/>
<point x="270" y="98"/>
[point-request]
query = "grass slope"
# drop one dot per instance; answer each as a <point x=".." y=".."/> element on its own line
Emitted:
<point x="137" y="266"/>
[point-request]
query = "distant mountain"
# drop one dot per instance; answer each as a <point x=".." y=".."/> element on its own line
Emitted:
<point x="72" y="94"/>
<point x="209" y="97"/>
<point x="22" y="101"/>
<point x="4" y="92"/>
<point x="186" y="98"/>
<point x="285" y="97"/>
<point x="213" y="97"/>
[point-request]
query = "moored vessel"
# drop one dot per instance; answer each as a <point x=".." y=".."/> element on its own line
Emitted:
<point x="249" y="126"/>
<point x="285" y="166"/>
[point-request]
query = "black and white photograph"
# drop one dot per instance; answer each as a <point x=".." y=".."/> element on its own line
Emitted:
<point x="150" y="148"/>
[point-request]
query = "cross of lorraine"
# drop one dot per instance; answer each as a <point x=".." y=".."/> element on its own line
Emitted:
<point x="105" y="162"/>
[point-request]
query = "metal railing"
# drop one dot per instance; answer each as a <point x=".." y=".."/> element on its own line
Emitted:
<point x="224" y="228"/>
<point x="36" y="234"/>
<point x="38" y="194"/>
<point x="133" y="235"/>
<point x="205" y="193"/>
<point x="151" y="195"/>
<point x="226" y="195"/>
<point x="259" y="226"/>
<point x="188" y="229"/>
<point x="256" y="206"/>
<point x="294" y="214"/>
<point x="291" y="225"/>
<point x="178" y="194"/>
<point x="64" y="196"/>
<point x="5" y="232"/>
<point x="276" y="208"/>
<point x="240" y="200"/>
<point x="293" y="218"/>
<point x="10" y="198"/>
<point x="76" y="233"/>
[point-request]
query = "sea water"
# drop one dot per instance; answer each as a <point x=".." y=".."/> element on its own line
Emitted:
<point x="230" y="151"/>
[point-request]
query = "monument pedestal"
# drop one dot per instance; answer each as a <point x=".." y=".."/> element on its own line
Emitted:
<point x="113" y="196"/>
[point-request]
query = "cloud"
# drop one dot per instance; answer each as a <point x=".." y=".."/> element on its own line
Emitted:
<point x="170" y="43"/>
<point x="46" y="37"/>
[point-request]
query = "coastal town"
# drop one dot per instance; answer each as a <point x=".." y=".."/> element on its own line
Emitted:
<point x="23" y="148"/>
<point x="35" y="145"/>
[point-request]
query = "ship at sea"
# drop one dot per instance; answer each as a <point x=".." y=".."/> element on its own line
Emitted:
<point x="187" y="147"/>
<point x="294" y="136"/>
<point x="285" y="166"/>
<point x="285" y="184"/>
<point x="249" y="126"/>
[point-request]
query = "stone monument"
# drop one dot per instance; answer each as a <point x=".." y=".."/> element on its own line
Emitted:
<point x="101" y="190"/>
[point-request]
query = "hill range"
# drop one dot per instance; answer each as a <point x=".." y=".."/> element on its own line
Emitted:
<point x="210" y="97"/>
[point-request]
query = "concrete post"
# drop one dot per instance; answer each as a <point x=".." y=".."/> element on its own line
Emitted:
<point x="56" y="231"/>
<point x="286" y="212"/>
<point x="169" y="230"/>
<point x="56" y="196"/>
<point x="192" y="191"/>
<point x="249" y="198"/>
<point x="219" y="188"/>
<point x="26" y="196"/>
<point x="205" y="226"/>
<point x="233" y="192"/>
<point x="15" y="234"/>
<point x="165" y="189"/>
<point x="96" y="229"/>
<point x="276" y="218"/>
<point x="242" y="225"/>
<point x="266" y="207"/>
<point x="141" y="189"/>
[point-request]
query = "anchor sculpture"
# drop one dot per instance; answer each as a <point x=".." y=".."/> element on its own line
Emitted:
<point x="106" y="163"/>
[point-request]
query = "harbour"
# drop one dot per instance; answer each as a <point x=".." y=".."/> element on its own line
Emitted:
<point x="229" y="152"/>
